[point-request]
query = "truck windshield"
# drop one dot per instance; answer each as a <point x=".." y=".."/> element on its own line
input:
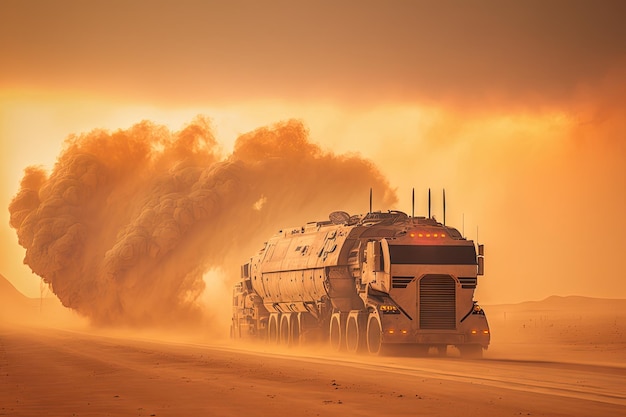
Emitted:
<point x="432" y="255"/>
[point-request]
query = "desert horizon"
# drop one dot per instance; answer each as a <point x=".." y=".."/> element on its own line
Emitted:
<point x="576" y="329"/>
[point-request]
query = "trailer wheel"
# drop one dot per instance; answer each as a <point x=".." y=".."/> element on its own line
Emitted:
<point x="355" y="332"/>
<point x="337" y="332"/>
<point x="294" y="330"/>
<point x="374" y="335"/>
<point x="272" y="329"/>
<point x="289" y="329"/>
<point x="235" y="330"/>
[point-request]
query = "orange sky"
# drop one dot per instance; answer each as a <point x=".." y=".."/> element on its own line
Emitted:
<point x="516" y="109"/>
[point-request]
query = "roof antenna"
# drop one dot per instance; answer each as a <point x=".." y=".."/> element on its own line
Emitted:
<point x="444" y="206"/>
<point x="413" y="204"/>
<point x="370" y="199"/>
<point x="429" y="203"/>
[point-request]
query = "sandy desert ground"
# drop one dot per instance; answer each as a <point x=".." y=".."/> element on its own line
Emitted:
<point x="558" y="357"/>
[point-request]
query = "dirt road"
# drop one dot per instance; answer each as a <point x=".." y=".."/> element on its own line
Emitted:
<point x="62" y="373"/>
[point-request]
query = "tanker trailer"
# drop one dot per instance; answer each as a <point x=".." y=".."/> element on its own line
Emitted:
<point x="365" y="283"/>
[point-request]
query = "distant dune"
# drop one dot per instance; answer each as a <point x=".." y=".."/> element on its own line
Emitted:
<point x="7" y="290"/>
<point x="15" y="307"/>
<point x="572" y="303"/>
<point x="12" y="302"/>
<point x="572" y="328"/>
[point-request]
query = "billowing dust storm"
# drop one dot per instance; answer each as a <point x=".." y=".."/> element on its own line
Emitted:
<point x="128" y="222"/>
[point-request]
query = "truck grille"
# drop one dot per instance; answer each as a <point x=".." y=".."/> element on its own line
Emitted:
<point x="400" y="282"/>
<point x="437" y="302"/>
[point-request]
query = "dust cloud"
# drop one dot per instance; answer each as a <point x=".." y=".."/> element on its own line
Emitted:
<point x="126" y="225"/>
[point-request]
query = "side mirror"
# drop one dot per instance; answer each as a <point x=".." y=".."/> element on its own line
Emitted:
<point x="245" y="270"/>
<point x="374" y="256"/>
<point x="481" y="266"/>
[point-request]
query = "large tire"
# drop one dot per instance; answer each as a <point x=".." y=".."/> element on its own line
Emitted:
<point x="421" y="351"/>
<point x="374" y="335"/>
<point x="273" y="329"/>
<point x="471" y="351"/>
<point x="337" y="331"/>
<point x="284" y="337"/>
<point x="442" y="350"/>
<point x="308" y="329"/>
<point x="294" y="330"/>
<point x="355" y="333"/>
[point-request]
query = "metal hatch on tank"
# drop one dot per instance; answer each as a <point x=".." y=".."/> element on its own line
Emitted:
<point x="365" y="283"/>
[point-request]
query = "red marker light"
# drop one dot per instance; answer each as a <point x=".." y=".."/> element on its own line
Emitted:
<point x="414" y="234"/>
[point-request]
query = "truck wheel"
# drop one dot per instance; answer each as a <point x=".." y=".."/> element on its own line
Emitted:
<point x="272" y="329"/>
<point x="442" y="350"/>
<point x="294" y="329"/>
<point x="421" y="350"/>
<point x="337" y="334"/>
<point x="284" y="334"/>
<point x="374" y="335"/>
<point x="355" y="332"/>
<point x="235" y="330"/>
<point x="471" y="351"/>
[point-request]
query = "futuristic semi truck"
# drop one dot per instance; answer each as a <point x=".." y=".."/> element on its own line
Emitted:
<point x="365" y="283"/>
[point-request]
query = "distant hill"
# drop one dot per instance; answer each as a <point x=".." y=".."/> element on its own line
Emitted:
<point x="8" y="293"/>
<point x="15" y="307"/>
<point x="566" y="304"/>
<point x="13" y="303"/>
<point x="578" y="324"/>
<point x="8" y="290"/>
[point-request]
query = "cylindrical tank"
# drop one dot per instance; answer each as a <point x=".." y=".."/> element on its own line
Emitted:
<point x="300" y="267"/>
